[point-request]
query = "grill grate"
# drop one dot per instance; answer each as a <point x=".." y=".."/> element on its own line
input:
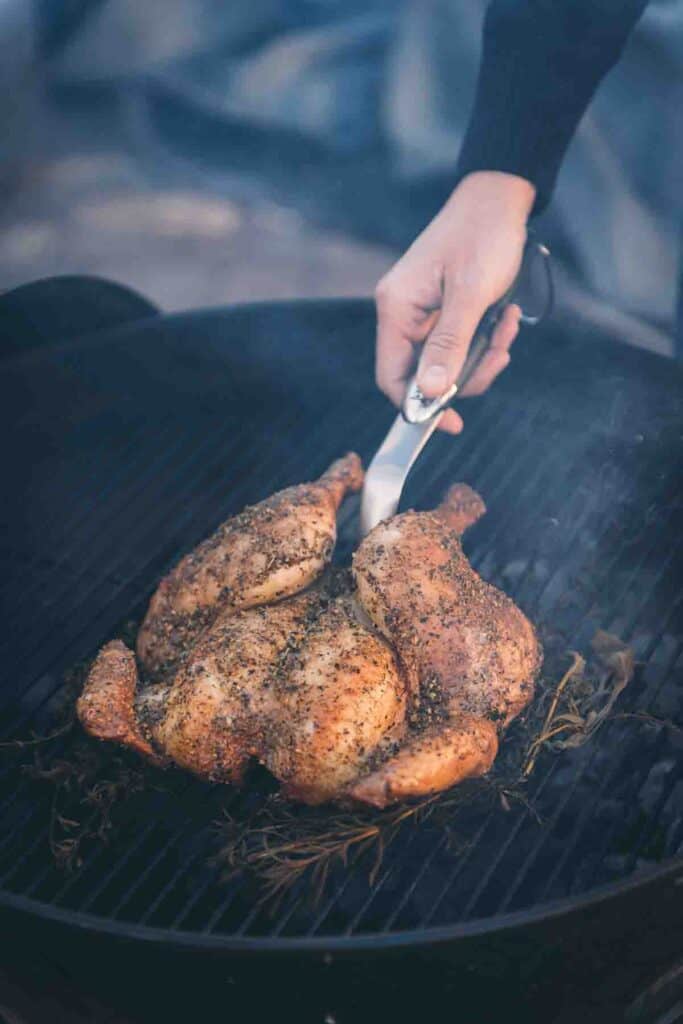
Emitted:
<point x="129" y="451"/>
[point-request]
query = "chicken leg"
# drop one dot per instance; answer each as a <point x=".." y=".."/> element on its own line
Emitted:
<point x="454" y="634"/>
<point x="270" y="551"/>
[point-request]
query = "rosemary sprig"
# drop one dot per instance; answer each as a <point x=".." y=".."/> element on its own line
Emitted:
<point x="279" y="844"/>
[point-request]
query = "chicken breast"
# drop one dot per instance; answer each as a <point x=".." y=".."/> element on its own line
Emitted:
<point x="303" y="687"/>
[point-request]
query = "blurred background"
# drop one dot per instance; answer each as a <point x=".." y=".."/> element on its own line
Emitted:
<point x="206" y="153"/>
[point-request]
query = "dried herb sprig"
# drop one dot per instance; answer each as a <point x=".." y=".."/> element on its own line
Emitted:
<point x="38" y="741"/>
<point x="580" y="706"/>
<point x="279" y="844"/>
<point x="88" y="786"/>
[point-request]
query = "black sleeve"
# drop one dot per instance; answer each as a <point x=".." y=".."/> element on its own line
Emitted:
<point x="541" y="62"/>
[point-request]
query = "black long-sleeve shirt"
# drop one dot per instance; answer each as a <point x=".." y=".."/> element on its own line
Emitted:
<point x="542" y="60"/>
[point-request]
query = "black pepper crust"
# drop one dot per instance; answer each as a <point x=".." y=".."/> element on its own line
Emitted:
<point x="447" y="624"/>
<point x="265" y="553"/>
<point x="375" y="685"/>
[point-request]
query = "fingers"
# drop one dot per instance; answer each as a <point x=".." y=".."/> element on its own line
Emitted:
<point x="393" y="360"/>
<point x="497" y="357"/>
<point x="400" y="325"/>
<point x="446" y="346"/>
<point x="451" y="422"/>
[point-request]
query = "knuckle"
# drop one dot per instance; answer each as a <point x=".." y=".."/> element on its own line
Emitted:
<point x="385" y="293"/>
<point x="444" y="341"/>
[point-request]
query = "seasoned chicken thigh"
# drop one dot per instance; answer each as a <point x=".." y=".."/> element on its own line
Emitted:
<point x="267" y="552"/>
<point x="391" y="689"/>
<point x="453" y="633"/>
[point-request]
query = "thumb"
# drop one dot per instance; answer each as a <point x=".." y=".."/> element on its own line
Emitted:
<point x="445" y="349"/>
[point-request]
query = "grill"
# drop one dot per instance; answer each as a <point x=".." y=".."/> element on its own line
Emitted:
<point x="130" y="446"/>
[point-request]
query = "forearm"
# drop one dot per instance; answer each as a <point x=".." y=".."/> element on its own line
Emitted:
<point x="542" y="61"/>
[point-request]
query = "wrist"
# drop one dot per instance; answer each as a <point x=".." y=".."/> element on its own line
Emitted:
<point x="507" y="195"/>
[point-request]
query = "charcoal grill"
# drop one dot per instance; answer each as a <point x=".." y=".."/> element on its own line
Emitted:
<point x="131" y="444"/>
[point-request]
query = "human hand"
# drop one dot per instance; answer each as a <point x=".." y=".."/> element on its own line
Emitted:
<point x="437" y="293"/>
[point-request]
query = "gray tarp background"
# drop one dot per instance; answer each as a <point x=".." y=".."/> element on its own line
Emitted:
<point x="401" y="73"/>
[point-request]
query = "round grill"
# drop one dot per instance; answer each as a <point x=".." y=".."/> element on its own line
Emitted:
<point x="129" y="447"/>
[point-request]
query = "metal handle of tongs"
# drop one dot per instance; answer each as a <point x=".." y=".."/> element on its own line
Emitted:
<point x="418" y="409"/>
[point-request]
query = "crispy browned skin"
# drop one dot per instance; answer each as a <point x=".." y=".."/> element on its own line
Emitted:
<point x="341" y="700"/>
<point x="220" y="706"/>
<point x="461" y="508"/>
<point x="106" y="706"/>
<point x="430" y="761"/>
<point x="442" y="619"/>
<point x="396" y="690"/>
<point x="303" y="686"/>
<point x="269" y="551"/>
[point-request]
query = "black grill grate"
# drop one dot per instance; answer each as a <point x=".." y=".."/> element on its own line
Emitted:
<point x="131" y="448"/>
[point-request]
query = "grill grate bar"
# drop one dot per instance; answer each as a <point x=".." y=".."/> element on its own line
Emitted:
<point x="125" y="858"/>
<point x="576" y="497"/>
<point x="180" y="872"/>
<point x="546" y="779"/>
<point x="126" y="482"/>
<point x="240" y="796"/>
<point x="124" y="457"/>
<point x="128" y="893"/>
<point x="484" y="444"/>
<point x="281" y="474"/>
<point x="118" y="550"/>
<point x="608" y="778"/>
<point x="47" y="697"/>
<point x="183" y="493"/>
<point x="87" y="462"/>
<point x="569" y="791"/>
<point x="605" y="780"/>
<point x="439" y="846"/>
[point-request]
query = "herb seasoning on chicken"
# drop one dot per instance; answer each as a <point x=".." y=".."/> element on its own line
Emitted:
<point x="375" y="687"/>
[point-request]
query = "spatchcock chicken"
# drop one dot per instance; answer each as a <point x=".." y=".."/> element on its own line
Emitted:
<point x="389" y="682"/>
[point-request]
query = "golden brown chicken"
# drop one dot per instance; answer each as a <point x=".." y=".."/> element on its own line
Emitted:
<point x="455" y="635"/>
<point x="392" y="688"/>
<point x="267" y="552"/>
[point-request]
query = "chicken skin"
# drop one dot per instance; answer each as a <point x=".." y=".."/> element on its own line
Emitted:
<point x="267" y="552"/>
<point x="302" y="686"/>
<point x="454" y="634"/>
<point x="442" y="619"/>
<point x="375" y="687"/>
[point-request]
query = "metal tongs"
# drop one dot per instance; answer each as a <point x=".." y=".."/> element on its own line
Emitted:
<point x="419" y="416"/>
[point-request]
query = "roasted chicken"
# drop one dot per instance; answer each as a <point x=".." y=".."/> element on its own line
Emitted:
<point x="376" y="686"/>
